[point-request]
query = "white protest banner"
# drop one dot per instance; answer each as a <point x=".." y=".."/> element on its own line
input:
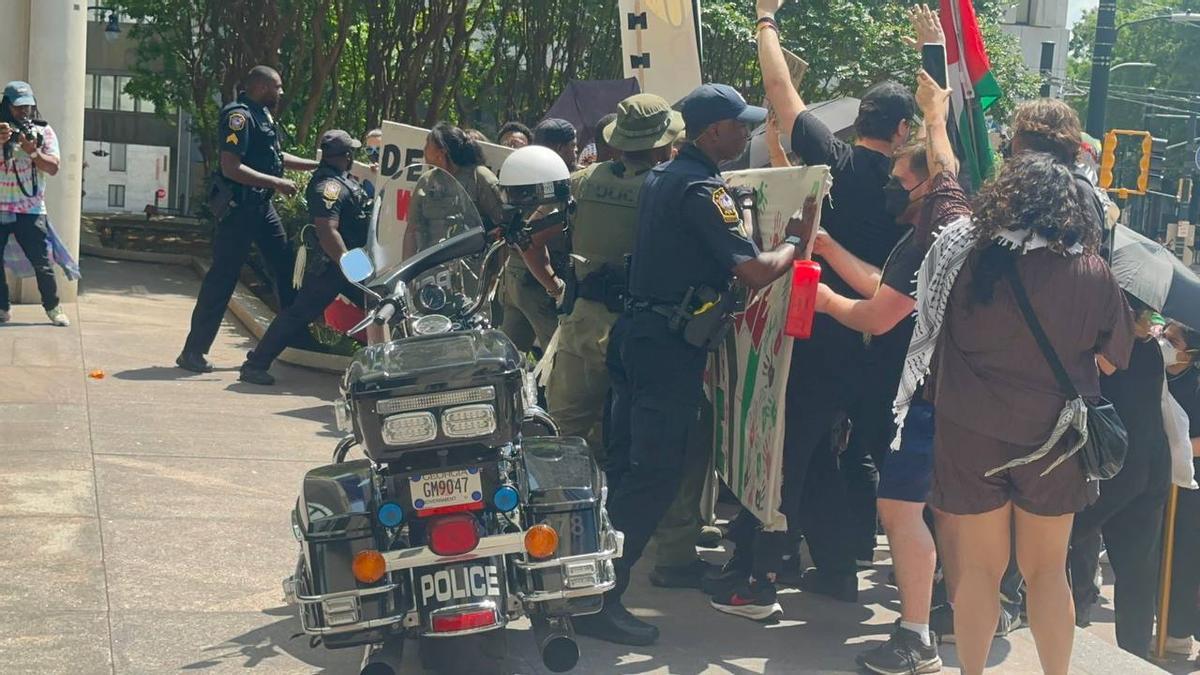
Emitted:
<point x="747" y="378"/>
<point x="660" y="45"/>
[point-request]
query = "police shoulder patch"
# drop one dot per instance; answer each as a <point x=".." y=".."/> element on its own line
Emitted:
<point x="331" y="190"/>
<point x="725" y="205"/>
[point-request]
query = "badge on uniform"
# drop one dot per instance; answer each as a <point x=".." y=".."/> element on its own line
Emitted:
<point x="725" y="205"/>
<point x="231" y="139"/>
<point x="237" y="121"/>
<point x="330" y="192"/>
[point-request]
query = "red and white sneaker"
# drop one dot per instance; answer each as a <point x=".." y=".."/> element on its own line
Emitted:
<point x="755" y="601"/>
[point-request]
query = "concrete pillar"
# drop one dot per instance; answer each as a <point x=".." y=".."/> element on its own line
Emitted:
<point x="45" y="45"/>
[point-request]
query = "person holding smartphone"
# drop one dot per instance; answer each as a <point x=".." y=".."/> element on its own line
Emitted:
<point x="30" y="154"/>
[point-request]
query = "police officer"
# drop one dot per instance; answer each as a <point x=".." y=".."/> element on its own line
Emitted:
<point x="251" y="172"/>
<point x="690" y="244"/>
<point x="341" y="212"/>
<point x="603" y="230"/>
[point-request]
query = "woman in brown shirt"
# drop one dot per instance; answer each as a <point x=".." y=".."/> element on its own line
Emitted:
<point x="997" y="399"/>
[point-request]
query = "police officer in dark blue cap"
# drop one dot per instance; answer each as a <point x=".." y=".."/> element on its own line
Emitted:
<point x="691" y="244"/>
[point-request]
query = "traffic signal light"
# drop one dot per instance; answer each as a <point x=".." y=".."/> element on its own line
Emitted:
<point x="1108" y="159"/>
<point x="1158" y="163"/>
<point x="1184" y="195"/>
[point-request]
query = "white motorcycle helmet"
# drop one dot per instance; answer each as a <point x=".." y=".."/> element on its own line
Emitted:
<point x="534" y="176"/>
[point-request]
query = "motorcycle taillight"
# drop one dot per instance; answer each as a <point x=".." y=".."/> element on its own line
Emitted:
<point x="454" y="534"/>
<point x="453" y="623"/>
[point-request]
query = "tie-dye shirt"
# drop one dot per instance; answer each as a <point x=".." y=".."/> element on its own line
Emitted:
<point x="16" y="163"/>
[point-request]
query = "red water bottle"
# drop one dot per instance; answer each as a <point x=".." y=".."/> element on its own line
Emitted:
<point x="806" y="274"/>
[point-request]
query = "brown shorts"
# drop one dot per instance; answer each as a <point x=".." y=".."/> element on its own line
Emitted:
<point x="961" y="457"/>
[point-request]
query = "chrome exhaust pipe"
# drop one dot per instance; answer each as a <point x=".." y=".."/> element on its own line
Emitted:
<point x="556" y="643"/>
<point x="384" y="658"/>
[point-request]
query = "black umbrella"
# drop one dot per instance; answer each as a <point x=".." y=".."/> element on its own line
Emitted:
<point x="1150" y="272"/>
<point x="584" y="102"/>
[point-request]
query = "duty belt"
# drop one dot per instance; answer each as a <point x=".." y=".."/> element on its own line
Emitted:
<point x="604" y="286"/>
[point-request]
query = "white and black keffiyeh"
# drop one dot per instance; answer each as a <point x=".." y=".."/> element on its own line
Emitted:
<point x="935" y="281"/>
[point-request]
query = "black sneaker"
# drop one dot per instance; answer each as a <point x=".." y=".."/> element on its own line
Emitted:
<point x="941" y="622"/>
<point x="684" y="576"/>
<point x="257" y="376"/>
<point x="615" y="624"/>
<point x="195" y="362"/>
<point x="903" y="654"/>
<point x="1010" y="619"/>
<point x="842" y="587"/>
<point x="718" y="581"/>
<point x="754" y="601"/>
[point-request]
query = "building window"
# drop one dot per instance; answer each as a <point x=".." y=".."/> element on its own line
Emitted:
<point x="146" y="106"/>
<point x="116" y="196"/>
<point x="89" y="91"/>
<point x="125" y="101"/>
<point x="1025" y="12"/>
<point x="118" y="153"/>
<point x="108" y="91"/>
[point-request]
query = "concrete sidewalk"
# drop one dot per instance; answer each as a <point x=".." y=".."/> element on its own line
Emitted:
<point x="144" y="516"/>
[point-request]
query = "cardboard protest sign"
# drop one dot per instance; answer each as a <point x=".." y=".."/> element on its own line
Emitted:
<point x="747" y="378"/>
<point x="660" y="45"/>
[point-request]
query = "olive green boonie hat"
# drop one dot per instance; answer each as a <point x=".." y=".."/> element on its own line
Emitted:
<point x="644" y="122"/>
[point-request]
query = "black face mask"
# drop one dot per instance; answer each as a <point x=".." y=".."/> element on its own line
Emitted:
<point x="372" y="153"/>
<point x="895" y="197"/>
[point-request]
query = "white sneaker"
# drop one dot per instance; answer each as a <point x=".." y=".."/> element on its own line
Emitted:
<point x="1181" y="646"/>
<point x="5" y="316"/>
<point x="58" y="317"/>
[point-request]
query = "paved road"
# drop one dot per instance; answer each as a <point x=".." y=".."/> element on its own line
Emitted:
<point x="144" y="516"/>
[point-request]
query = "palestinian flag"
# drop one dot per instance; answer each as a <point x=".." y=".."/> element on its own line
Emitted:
<point x="969" y="76"/>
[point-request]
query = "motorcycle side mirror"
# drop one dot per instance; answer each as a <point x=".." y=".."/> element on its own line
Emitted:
<point x="357" y="265"/>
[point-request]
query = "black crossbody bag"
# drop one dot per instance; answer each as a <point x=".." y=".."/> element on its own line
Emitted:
<point x="1103" y="451"/>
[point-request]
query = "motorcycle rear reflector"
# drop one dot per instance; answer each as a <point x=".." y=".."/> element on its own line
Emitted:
<point x="454" y="534"/>
<point x="368" y="566"/>
<point x="390" y="514"/>
<point x="506" y="498"/>
<point x="541" y="541"/>
<point x="453" y="623"/>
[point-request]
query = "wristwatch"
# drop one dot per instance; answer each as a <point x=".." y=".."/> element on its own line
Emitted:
<point x="792" y="239"/>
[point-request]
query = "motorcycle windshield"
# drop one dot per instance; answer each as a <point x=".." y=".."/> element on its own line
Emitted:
<point x="416" y="209"/>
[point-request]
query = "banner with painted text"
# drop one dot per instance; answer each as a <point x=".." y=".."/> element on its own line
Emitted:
<point x="747" y="378"/>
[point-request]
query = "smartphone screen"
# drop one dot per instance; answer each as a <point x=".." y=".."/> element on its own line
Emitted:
<point x="933" y="60"/>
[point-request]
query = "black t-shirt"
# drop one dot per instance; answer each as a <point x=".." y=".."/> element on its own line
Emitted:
<point x="900" y="270"/>
<point x="854" y="214"/>
<point x="1185" y="387"/>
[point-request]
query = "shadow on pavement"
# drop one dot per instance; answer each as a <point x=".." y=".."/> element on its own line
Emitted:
<point x="162" y="374"/>
<point x="257" y="647"/>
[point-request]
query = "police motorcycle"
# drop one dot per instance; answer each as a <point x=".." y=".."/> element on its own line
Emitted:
<point x="468" y="512"/>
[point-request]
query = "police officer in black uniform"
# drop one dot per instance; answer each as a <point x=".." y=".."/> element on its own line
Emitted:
<point x="251" y="172"/>
<point x="341" y="213"/>
<point x="691" y="243"/>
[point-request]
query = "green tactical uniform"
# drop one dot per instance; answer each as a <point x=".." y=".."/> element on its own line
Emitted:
<point x="603" y="232"/>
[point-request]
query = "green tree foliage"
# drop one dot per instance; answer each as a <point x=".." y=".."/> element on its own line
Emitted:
<point x="352" y="63"/>
<point x="1171" y="87"/>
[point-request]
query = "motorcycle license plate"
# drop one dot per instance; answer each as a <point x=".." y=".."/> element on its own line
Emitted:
<point x="449" y="488"/>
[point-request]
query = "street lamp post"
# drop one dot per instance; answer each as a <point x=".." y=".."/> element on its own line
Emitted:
<point x="1102" y="50"/>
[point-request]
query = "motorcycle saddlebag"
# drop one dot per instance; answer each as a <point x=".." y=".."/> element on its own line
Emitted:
<point x="563" y="487"/>
<point x="334" y="519"/>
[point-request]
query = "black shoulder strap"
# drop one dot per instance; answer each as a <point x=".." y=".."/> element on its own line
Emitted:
<point x="1035" y="327"/>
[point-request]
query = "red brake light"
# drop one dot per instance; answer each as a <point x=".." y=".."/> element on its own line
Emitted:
<point x="452" y="623"/>
<point x="454" y="534"/>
